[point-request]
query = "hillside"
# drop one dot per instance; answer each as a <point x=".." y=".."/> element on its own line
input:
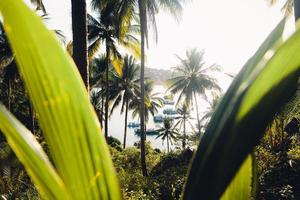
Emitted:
<point x="158" y="75"/>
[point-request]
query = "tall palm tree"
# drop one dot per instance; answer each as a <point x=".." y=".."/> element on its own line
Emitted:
<point x="168" y="132"/>
<point x="182" y="120"/>
<point x="193" y="79"/>
<point x="79" y="29"/>
<point x="126" y="86"/>
<point x="148" y="9"/>
<point x="108" y="29"/>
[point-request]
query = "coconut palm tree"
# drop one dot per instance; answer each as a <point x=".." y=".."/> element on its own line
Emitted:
<point x="148" y="9"/>
<point x="192" y="79"/>
<point x="182" y="120"/>
<point x="106" y="30"/>
<point x="126" y="86"/>
<point x="96" y="102"/>
<point x="79" y="29"/>
<point x="210" y="111"/>
<point x="97" y="82"/>
<point x="168" y="132"/>
<point x="152" y="102"/>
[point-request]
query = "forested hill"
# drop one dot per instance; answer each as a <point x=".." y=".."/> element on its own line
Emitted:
<point x="158" y="75"/>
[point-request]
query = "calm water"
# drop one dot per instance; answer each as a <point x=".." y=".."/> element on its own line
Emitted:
<point x="116" y="125"/>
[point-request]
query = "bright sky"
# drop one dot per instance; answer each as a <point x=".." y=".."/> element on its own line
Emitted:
<point x="228" y="30"/>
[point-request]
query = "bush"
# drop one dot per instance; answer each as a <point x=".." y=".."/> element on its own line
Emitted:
<point x="170" y="174"/>
<point x="133" y="184"/>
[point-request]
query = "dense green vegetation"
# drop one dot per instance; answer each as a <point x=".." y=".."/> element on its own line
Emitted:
<point x="245" y="146"/>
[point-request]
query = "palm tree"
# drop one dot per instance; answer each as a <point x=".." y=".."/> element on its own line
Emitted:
<point x="147" y="17"/>
<point x="151" y="104"/>
<point x="168" y="132"/>
<point x="289" y="6"/>
<point x="97" y="81"/>
<point x="95" y="98"/>
<point x="182" y="120"/>
<point x="79" y="29"/>
<point x="193" y="79"/>
<point x="126" y="86"/>
<point x="212" y="107"/>
<point x="108" y="29"/>
<point x="147" y="14"/>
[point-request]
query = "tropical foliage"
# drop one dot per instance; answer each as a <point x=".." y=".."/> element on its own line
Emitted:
<point x="148" y="9"/>
<point x="152" y="102"/>
<point x="70" y="97"/>
<point x="124" y="88"/>
<point x="110" y="30"/>
<point x="193" y="79"/>
<point x="250" y="141"/>
<point x="168" y="132"/>
<point x="182" y="121"/>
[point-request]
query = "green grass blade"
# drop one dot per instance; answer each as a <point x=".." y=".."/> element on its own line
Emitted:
<point x="240" y="185"/>
<point x="32" y="156"/>
<point x="240" y="119"/>
<point x="60" y="99"/>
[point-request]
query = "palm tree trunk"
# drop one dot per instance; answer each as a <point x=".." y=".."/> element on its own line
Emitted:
<point x="184" y="132"/>
<point x="106" y="90"/>
<point x="297" y="9"/>
<point x="168" y="144"/>
<point x="145" y="131"/>
<point x="79" y="29"/>
<point x="142" y="13"/>
<point x="101" y="110"/>
<point x="125" y="127"/>
<point x="197" y="111"/>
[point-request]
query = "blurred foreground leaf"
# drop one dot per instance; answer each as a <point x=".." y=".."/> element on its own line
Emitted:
<point x="250" y="103"/>
<point x="68" y="121"/>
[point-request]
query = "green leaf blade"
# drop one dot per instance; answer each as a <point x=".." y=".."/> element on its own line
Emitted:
<point x="32" y="156"/>
<point x="229" y="138"/>
<point x="61" y="101"/>
<point x="240" y="185"/>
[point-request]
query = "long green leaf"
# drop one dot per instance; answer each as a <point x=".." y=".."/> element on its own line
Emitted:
<point x="66" y="116"/>
<point x="32" y="156"/>
<point x="240" y="185"/>
<point x="240" y="119"/>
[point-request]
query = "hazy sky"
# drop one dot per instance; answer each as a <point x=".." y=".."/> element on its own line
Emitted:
<point x="228" y="30"/>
